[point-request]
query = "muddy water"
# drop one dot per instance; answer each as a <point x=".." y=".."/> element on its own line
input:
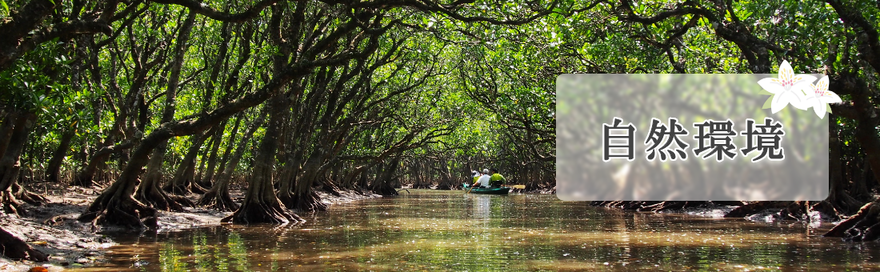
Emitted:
<point x="448" y="230"/>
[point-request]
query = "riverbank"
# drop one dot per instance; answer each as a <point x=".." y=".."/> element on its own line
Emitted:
<point x="52" y="227"/>
<point x="771" y="212"/>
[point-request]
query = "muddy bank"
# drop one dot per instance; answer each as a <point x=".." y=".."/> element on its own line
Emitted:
<point x="761" y="211"/>
<point x="52" y="227"/>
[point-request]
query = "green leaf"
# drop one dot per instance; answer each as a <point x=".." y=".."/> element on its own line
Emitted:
<point x="4" y="6"/>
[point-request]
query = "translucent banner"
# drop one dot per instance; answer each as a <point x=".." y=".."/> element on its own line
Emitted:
<point x="690" y="137"/>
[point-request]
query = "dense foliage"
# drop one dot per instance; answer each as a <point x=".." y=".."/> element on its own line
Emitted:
<point x="157" y="99"/>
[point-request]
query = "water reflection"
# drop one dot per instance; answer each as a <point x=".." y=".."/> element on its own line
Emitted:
<point x="449" y="230"/>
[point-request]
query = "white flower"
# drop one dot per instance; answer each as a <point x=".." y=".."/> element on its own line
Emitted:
<point x="821" y="96"/>
<point x="787" y="89"/>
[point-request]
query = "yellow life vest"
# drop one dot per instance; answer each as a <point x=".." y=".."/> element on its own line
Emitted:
<point x="497" y="177"/>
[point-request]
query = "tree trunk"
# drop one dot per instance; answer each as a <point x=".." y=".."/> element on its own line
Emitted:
<point x="53" y="172"/>
<point x="382" y="184"/>
<point x="328" y="184"/>
<point x="863" y="226"/>
<point x="232" y="139"/>
<point x="218" y="196"/>
<point x="6" y="129"/>
<point x="116" y="205"/>
<point x="261" y="205"/>
<point x="87" y="176"/>
<point x="841" y="202"/>
<point x="183" y="182"/>
<point x="352" y="178"/>
<point x="16" y="249"/>
<point x="208" y="176"/>
<point x="148" y="192"/>
<point x="10" y="164"/>
<point x="287" y="182"/>
<point x="304" y="198"/>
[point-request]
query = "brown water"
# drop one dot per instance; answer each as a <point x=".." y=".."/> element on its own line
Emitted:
<point x="448" y="230"/>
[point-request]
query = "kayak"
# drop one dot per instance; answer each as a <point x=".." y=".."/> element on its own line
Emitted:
<point x="491" y="191"/>
<point x="488" y="191"/>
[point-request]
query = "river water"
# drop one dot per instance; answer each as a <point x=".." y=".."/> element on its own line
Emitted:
<point x="449" y="230"/>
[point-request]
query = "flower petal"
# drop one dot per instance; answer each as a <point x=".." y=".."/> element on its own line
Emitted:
<point x="819" y="108"/>
<point x="771" y="86"/>
<point x="785" y="71"/>
<point x="780" y="101"/>
<point x="804" y="80"/>
<point x="822" y="85"/>
<point x="830" y="97"/>
<point x="797" y="99"/>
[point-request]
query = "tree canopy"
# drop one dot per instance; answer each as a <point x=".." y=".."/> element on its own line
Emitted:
<point x="158" y="99"/>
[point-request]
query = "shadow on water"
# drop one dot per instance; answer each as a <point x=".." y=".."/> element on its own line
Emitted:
<point x="449" y="230"/>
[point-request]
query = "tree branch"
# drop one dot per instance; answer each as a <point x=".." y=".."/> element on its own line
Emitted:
<point x="204" y="9"/>
<point x="65" y="31"/>
<point x="872" y="38"/>
<point x="445" y="9"/>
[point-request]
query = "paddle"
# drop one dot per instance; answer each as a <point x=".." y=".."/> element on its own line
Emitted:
<point x="515" y="187"/>
<point x="472" y="187"/>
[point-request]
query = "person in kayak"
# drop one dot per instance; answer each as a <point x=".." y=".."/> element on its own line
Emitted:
<point x="476" y="175"/>
<point x="483" y="181"/>
<point x="496" y="179"/>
